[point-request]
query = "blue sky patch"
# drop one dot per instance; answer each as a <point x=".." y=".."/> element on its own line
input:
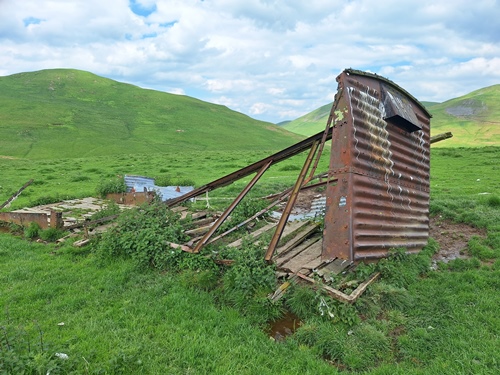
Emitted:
<point x="31" y="21"/>
<point x="140" y="9"/>
<point x="150" y="35"/>
<point x="168" y="24"/>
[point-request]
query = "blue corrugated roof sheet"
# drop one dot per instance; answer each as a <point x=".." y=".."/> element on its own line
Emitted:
<point x="141" y="183"/>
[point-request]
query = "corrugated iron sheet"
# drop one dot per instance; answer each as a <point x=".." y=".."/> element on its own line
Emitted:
<point x="380" y="155"/>
<point x="143" y="184"/>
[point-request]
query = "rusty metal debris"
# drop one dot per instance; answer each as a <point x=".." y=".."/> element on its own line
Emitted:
<point x="377" y="184"/>
<point x="377" y="187"/>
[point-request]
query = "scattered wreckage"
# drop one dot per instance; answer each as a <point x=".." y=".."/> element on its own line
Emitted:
<point x="375" y="194"/>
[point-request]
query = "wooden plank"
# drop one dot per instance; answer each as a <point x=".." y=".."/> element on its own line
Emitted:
<point x="309" y="267"/>
<point x="199" y="223"/>
<point x="337" y="294"/>
<point x="335" y="267"/>
<point x="297" y="239"/>
<point x="254" y="235"/>
<point x="279" y="292"/>
<point x="282" y="258"/>
<point x="297" y="262"/>
<point x="198" y="215"/>
<point x="179" y="209"/>
<point x="362" y="287"/>
<point x="178" y="246"/>
<point x="81" y="243"/>
<point x="293" y="226"/>
<point x="198" y="231"/>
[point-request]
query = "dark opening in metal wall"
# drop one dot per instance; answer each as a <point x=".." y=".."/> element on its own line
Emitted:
<point x="380" y="157"/>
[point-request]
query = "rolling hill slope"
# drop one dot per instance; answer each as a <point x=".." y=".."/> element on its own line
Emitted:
<point x="71" y="113"/>
<point x="474" y="119"/>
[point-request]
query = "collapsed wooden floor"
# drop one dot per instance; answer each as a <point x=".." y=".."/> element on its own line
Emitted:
<point x="297" y="256"/>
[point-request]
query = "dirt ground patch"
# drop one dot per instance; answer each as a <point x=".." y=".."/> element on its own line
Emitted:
<point x="452" y="238"/>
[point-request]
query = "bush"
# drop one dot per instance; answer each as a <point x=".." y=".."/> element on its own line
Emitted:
<point x="32" y="231"/>
<point x="115" y="185"/>
<point x="248" y="282"/>
<point x="111" y="209"/>
<point x="143" y="234"/>
<point x="51" y="234"/>
<point x="301" y="301"/>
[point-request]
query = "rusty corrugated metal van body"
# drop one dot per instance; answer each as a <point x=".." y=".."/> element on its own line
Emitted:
<point x="380" y="156"/>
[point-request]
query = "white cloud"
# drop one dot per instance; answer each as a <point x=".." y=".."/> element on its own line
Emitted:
<point x="271" y="60"/>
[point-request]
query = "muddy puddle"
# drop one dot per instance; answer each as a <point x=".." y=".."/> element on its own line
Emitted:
<point x="283" y="327"/>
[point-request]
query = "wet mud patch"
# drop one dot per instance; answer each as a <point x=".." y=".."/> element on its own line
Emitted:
<point x="283" y="327"/>
<point x="452" y="238"/>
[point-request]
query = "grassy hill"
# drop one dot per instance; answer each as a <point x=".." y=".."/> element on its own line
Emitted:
<point x="474" y="119"/>
<point x="311" y="123"/>
<point x="72" y="113"/>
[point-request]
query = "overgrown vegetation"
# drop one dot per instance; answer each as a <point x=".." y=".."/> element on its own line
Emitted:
<point x="114" y="185"/>
<point x="136" y="305"/>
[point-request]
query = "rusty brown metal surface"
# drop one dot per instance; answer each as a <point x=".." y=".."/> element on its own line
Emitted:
<point x="131" y="199"/>
<point x="291" y="201"/>
<point x="231" y="207"/>
<point x="380" y="156"/>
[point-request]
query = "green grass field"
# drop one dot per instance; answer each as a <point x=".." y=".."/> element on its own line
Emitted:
<point x="110" y="316"/>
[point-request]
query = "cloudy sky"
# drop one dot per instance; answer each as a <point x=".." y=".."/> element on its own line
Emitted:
<point x="272" y="60"/>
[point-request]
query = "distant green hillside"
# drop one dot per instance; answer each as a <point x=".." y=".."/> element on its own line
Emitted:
<point x="311" y="123"/>
<point x="71" y="113"/>
<point x="474" y="119"/>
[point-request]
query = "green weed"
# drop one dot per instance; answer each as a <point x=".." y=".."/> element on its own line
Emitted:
<point x="51" y="234"/>
<point x="115" y="185"/>
<point x="32" y="231"/>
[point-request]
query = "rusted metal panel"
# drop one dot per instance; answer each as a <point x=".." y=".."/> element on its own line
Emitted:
<point x="380" y="156"/>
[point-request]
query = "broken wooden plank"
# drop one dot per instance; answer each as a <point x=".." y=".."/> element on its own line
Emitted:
<point x="278" y="293"/>
<point x="440" y="137"/>
<point x="185" y="248"/>
<point x="81" y="243"/>
<point x="303" y="234"/>
<point x="254" y="235"/>
<point x="282" y="258"/>
<point x="296" y="263"/>
<point x="179" y="209"/>
<point x="198" y="231"/>
<point x="293" y="226"/>
<point x="201" y="222"/>
<point x="198" y="215"/>
<point x="311" y="266"/>
<point x="337" y="294"/>
<point x="335" y="267"/>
